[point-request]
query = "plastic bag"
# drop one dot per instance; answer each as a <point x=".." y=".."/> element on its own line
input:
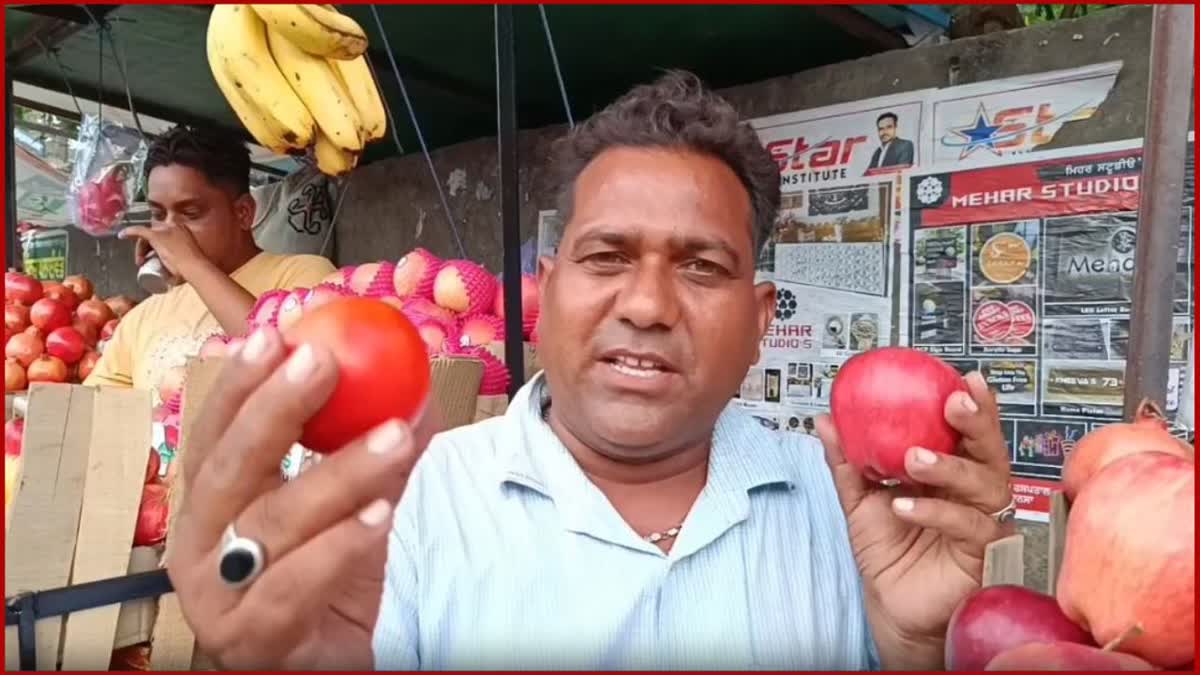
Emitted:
<point x="106" y="176"/>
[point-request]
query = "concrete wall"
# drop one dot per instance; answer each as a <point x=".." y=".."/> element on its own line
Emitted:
<point x="392" y="206"/>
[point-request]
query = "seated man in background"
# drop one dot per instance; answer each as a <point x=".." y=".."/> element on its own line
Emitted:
<point x="202" y="213"/>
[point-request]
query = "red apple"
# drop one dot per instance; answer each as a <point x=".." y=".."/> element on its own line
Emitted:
<point x="998" y="618"/>
<point x="1065" y="656"/>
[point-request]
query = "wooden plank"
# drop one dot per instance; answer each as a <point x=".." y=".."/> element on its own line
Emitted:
<point x="120" y="448"/>
<point x="1057" y="537"/>
<point x="1004" y="561"/>
<point x="136" y="621"/>
<point x="40" y="546"/>
<point x="174" y="643"/>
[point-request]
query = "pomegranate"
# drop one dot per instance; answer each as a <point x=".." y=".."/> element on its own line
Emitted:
<point x="95" y="312"/>
<point x="48" y="314"/>
<point x="21" y="288"/>
<point x="888" y="400"/>
<point x="24" y="348"/>
<point x="46" y="368"/>
<point x="109" y="328"/>
<point x="1130" y="557"/>
<point x="464" y="287"/>
<point x="35" y="332"/>
<point x="14" y="376"/>
<point x="1065" y="656"/>
<point x="65" y="343"/>
<point x="87" y="331"/>
<point x="1147" y="431"/>
<point x="14" y="437"/>
<point x="383" y="371"/>
<point x="997" y="618"/>
<point x="64" y="295"/>
<point x="86" y="365"/>
<point x="151" y="526"/>
<point x="80" y="285"/>
<point x="16" y="317"/>
<point x="120" y="305"/>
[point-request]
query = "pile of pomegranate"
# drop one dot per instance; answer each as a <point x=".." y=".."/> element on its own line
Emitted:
<point x="457" y="306"/>
<point x="54" y="332"/>
<point x="1126" y="595"/>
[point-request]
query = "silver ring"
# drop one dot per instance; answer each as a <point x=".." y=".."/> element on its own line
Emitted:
<point x="1005" y="514"/>
<point x="242" y="559"/>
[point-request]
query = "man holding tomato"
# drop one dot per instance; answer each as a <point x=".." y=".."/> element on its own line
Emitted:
<point x="198" y="190"/>
<point x="622" y="514"/>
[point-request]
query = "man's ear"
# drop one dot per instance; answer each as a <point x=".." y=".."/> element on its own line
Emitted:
<point x="245" y="208"/>
<point x="545" y="269"/>
<point x="764" y="297"/>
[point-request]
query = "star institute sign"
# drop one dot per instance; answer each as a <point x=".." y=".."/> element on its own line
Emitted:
<point x="981" y="135"/>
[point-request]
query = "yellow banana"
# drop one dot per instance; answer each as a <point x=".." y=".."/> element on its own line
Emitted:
<point x="237" y="48"/>
<point x="317" y="29"/>
<point x="314" y="81"/>
<point x="265" y="129"/>
<point x="331" y="160"/>
<point x="356" y="76"/>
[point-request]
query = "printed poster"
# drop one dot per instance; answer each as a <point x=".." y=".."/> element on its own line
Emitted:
<point x="1025" y="272"/>
<point x="977" y="124"/>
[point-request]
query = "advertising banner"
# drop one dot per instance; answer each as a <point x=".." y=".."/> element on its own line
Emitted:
<point x="1025" y="273"/>
<point x="975" y="124"/>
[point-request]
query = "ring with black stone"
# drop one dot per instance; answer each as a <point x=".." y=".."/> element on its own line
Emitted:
<point x="242" y="559"/>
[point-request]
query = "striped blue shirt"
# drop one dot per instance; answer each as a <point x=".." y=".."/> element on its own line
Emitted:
<point x="505" y="556"/>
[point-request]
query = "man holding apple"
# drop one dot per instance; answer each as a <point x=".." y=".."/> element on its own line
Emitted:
<point x="622" y="514"/>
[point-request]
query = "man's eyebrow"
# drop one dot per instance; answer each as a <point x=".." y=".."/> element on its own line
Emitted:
<point x="614" y="239"/>
<point x="703" y="245"/>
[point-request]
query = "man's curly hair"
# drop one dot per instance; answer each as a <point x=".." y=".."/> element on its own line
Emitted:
<point x="675" y="111"/>
<point x="222" y="157"/>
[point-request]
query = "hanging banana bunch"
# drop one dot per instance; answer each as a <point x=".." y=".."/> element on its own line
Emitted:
<point x="298" y="79"/>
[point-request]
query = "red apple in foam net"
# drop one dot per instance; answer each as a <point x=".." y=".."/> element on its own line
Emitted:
<point x="433" y="332"/>
<point x="214" y="347"/>
<point x="480" y="330"/>
<point x="529" y="302"/>
<point x="888" y="400"/>
<point x="263" y="312"/>
<point x="423" y="307"/>
<point x="365" y="275"/>
<point x="998" y="618"/>
<point x="1065" y="656"/>
<point x="290" y="308"/>
<point x="322" y="294"/>
<point x="1130" y="557"/>
<point x="464" y="287"/>
<point x="413" y="274"/>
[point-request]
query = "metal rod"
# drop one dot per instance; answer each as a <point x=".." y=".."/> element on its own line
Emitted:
<point x="12" y="240"/>
<point x="1171" y="44"/>
<point x="510" y="192"/>
<point x="562" y="85"/>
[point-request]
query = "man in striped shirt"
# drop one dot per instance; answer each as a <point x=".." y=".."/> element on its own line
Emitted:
<point x="622" y="514"/>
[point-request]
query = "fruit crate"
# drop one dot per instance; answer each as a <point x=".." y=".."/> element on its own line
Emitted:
<point x="72" y="523"/>
<point x="1057" y="538"/>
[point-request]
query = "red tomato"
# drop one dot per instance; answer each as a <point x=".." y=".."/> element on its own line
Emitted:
<point x="383" y="370"/>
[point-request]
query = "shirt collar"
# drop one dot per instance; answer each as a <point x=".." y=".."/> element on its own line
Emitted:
<point x="744" y="455"/>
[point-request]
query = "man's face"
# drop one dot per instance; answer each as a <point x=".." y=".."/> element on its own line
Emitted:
<point x="650" y="316"/>
<point x="182" y="196"/>
<point x="887" y="130"/>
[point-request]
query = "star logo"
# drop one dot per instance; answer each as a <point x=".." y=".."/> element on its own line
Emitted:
<point x="981" y="135"/>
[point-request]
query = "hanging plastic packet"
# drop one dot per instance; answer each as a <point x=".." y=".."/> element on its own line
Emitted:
<point x="107" y="175"/>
